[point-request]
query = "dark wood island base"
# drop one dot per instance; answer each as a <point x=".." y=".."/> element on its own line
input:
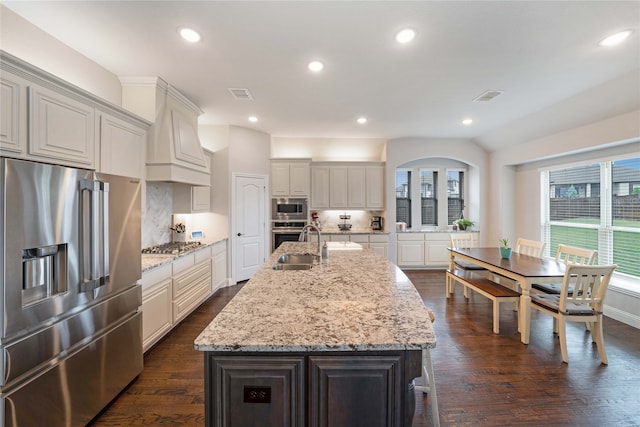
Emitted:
<point x="337" y="389"/>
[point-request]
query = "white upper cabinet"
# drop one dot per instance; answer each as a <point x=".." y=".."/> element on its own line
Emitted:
<point x="60" y="128"/>
<point x="338" y="187"/>
<point x="375" y="187"/>
<point x="44" y="118"/>
<point x="357" y="185"/>
<point x="12" y="115"/>
<point x="122" y="147"/>
<point x="191" y="199"/>
<point x="347" y="185"/>
<point x="320" y="187"/>
<point x="290" y="178"/>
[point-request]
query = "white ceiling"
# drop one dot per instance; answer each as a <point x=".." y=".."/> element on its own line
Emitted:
<point x="540" y="53"/>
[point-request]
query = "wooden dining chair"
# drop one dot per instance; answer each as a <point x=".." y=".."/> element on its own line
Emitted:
<point x="461" y="241"/>
<point x="525" y="247"/>
<point x="529" y="247"/>
<point x="585" y="304"/>
<point x="568" y="255"/>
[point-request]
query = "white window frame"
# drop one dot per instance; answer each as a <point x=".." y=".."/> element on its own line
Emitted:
<point x="605" y="227"/>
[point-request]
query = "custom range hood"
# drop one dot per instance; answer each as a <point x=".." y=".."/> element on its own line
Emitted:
<point x="174" y="153"/>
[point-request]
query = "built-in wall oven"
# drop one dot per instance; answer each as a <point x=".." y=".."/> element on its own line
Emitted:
<point x="285" y="231"/>
<point x="288" y="218"/>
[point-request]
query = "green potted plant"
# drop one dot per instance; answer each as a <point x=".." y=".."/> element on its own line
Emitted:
<point x="505" y="249"/>
<point x="464" y="223"/>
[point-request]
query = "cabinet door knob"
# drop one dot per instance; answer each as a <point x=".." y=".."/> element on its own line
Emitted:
<point x="239" y="234"/>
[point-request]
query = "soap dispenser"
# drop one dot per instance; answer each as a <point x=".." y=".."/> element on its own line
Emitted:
<point x="325" y="251"/>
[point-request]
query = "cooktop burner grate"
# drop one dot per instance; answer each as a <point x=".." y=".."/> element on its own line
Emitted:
<point x="171" y="248"/>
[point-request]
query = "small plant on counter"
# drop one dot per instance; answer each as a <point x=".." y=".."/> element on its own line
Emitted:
<point x="504" y="242"/>
<point x="464" y="223"/>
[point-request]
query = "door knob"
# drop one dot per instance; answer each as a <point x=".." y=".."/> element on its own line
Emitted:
<point x="239" y="234"/>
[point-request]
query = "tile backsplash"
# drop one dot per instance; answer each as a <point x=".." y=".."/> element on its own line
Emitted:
<point x="157" y="215"/>
<point x="360" y="220"/>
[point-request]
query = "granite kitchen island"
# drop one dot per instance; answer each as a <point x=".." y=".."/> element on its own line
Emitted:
<point x="336" y="345"/>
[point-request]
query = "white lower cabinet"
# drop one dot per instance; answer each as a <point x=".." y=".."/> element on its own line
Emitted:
<point x="191" y="282"/>
<point x="410" y="250"/>
<point x="379" y="243"/>
<point x="171" y="291"/>
<point x="219" y="251"/>
<point x="423" y="249"/>
<point x="157" y="317"/>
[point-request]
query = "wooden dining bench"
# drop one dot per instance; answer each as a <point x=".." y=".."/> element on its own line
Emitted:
<point x="484" y="286"/>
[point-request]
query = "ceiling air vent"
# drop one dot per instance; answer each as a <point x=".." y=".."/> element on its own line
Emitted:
<point x="488" y="95"/>
<point x="241" y="94"/>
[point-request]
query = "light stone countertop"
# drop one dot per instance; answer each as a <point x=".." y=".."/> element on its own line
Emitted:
<point x="336" y="230"/>
<point x="357" y="301"/>
<point x="150" y="261"/>
<point x="435" y="230"/>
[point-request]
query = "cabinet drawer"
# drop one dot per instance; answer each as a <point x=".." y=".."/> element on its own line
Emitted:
<point x="360" y="238"/>
<point x="183" y="283"/>
<point x="183" y="263"/>
<point x="437" y="237"/>
<point x="378" y="238"/>
<point x="155" y="275"/>
<point x="410" y="236"/>
<point x="339" y="237"/>
<point x="197" y="292"/>
<point x="202" y="255"/>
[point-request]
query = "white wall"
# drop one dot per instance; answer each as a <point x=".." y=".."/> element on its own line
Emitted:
<point x="26" y="41"/>
<point x="249" y="151"/>
<point x="329" y="149"/>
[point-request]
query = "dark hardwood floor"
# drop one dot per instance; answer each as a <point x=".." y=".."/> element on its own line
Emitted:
<point x="482" y="379"/>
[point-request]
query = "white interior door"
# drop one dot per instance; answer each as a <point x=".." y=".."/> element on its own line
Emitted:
<point x="249" y="219"/>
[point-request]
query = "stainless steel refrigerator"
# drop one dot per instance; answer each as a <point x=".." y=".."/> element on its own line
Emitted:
<point x="70" y="323"/>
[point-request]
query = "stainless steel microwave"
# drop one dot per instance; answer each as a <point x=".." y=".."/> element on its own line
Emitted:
<point x="289" y="208"/>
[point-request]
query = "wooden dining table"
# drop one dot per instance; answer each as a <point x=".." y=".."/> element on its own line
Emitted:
<point x="524" y="269"/>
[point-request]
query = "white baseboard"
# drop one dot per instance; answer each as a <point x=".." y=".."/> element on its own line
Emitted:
<point x="622" y="316"/>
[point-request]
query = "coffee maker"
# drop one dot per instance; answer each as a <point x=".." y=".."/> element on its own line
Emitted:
<point x="376" y="223"/>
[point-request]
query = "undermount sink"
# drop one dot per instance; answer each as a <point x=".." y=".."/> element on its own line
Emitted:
<point x="292" y="267"/>
<point x="297" y="259"/>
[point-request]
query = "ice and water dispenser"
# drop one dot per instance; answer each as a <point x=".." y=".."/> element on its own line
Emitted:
<point x="43" y="272"/>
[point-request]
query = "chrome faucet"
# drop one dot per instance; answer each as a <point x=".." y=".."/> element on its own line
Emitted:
<point x="305" y="232"/>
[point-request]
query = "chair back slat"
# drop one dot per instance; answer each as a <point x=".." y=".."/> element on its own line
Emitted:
<point x="589" y="284"/>
<point x="573" y="255"/>
<point x="462" y="241"/>
<point x="529" y="247"/>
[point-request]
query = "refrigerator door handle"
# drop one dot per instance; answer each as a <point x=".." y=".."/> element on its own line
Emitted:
<point x="95" y="234"/>
<point x="104" y="187"/>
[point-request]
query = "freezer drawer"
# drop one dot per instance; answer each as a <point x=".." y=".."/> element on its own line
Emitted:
<point x="73" y="391"/>
<point x="62" y="338"/>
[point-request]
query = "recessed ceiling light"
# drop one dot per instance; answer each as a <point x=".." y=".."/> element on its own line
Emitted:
<point x="405" y="36"/>
<point x="189" y="34"/>
<point x="362" y="120"/>
<point x="253" y="119"/>
<point x="315" y="66"/>
<point x="467" y="122"/>
<point x="615" y="39"/>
